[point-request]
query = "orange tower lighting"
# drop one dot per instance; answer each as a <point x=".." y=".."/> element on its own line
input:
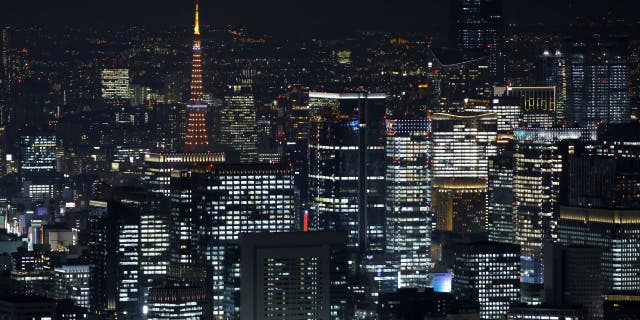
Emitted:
<point x="196" y="139"/>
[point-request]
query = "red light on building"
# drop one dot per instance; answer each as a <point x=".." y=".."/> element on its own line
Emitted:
<point x="305" y="221"/>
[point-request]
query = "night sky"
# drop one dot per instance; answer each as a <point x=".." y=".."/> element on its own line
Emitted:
<point x="297" y="17"/>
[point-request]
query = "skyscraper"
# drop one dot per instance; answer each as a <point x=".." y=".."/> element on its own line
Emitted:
<point x="197" y="137"/>
<point x="114" y="247"/>
<point x="295" y="275"/>
<point x="598" y="81"/>
<point x="551" y="70"/>
<point x="478" y="30"/>
<point x="159" y="166"/>
<point x="500" y="195"/>
<point x="616" y="232"/>
<point x="231" y="200"/>
<point x="115" y="85"/>
<point x="488" y="273"/>
<point x="408" y="201"/>
<point x="38" y="166"/>
<point x="238" y="129"/>
<point x="347" y="166"/>
<point x="537" y="104"/>
<point x="572" y="277"/>
<point x="536" y="186"/>
<point x="462" y="144"/>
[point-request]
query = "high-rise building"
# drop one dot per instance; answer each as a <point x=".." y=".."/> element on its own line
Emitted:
<point x="186" y="291"/>
<point x="462" y="144"/>
<point x="236" y="199"/>
<point x="536" y="186"/>
<point x="184" y="303"/>
<point x="460" y="204"/>
<point x="295" y="275"/>
<point x="551" y="70"/>
<point x="238" y="128"/>
<point x="115" y="85"/>
<point x="488" y="273"/>
<point x="115" y="259"/>
<point x="408" y="201"/>
<point x="154" y="243"/>
<point x="38" y="166"/>
<point x="72" y="283"/>
<point x="538" y="107"/>
<point x="500" y="195"/>
<point x="598" y="81"/>
<point x="347" y="166"/>
<point x="508" y="113"/>
<point x="616" y="232"/>
<point x="197" y="136"/>
<point x="157" y="176"/>
<point x="477" y="29"/>
<point x="572" y="277"/>
<point x="295" y="144"/>
<point x="604" y="173"/>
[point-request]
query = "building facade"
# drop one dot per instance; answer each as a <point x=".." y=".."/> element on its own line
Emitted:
<point x="347" y="166"/>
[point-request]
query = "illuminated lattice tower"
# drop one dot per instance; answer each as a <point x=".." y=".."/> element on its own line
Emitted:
<point x="196" y="139"/>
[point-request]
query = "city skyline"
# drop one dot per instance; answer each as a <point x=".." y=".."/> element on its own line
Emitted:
<point x="480" y="169"/>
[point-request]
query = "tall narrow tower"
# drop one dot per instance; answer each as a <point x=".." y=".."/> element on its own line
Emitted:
<point x="196" y="139"/>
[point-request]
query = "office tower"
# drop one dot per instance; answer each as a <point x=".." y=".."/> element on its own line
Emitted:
<point x="114" y="248"/>
<point x="500" y="195"/>
<point x="551" y="70"/>
<point x="347" y="166"/>
<point x="522" y="312"/>
<point x="233" y="200"/>
<point x="572" y="277"/>
<point x="177" y="303"/>
<point x="72" y="283"/>
<point x="604" y="173"/>
<point x="462" y="144"/>
<point x="488" y="273"/>
<point x="238" y="130"/>
<point x="615" y="232"/>
<point x="157" y="176"/>
<point x="536" y="185"/>
<point x="185" y="293"/>
<point x="296" y="275"/>
<point x="38" y="163"/>
<point x="477" y="29"/>
<point x="508" y="113"/>
<point x="197" y="136"/>
<point x="295" y="147"/>
<point x="598" y="81"/>
<point x="538" y="106"/>
<point x="154" y="242"/>
<point x="408" y="203"/>
<point x="37" y="155"/>
<point x="115" y="85"/>
<point x="460" y="204"/>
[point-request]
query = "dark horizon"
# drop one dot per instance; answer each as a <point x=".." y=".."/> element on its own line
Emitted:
<point x="295" y="18"/>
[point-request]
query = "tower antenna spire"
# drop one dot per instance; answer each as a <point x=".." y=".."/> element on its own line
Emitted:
<point x="196" y="26"/>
